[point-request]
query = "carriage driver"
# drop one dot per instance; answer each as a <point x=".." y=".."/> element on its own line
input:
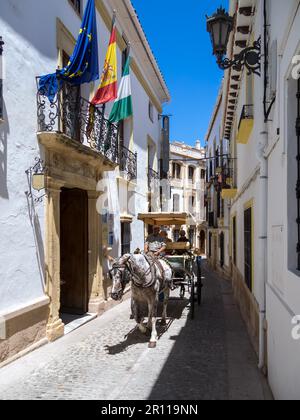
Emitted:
<point x="155" y="243"/>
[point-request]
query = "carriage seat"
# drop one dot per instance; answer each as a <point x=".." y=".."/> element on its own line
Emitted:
<point x="178" y="247"/>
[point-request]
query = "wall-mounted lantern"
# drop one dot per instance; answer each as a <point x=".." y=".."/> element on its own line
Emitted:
<point x="36" y="176"/>
<point x="219" y="26"/>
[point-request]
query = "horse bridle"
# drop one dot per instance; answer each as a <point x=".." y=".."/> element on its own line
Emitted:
<point x="127" y="266"/>
<point x="119" y="268"/>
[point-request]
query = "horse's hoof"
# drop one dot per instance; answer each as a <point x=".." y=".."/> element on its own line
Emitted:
<point x="152" y="345"/>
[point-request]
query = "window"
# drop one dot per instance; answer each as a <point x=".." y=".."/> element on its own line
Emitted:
<point x="248" y="247"/>
<point x="125" y="238"/>
<point x="218" y="204"/>
<point x="176" y="171"/>
<point x="151" y="111"/>
<point x="192" y="202"/>
<point x="211" y="171"/>
<point x="217" y="159"/>
<point x="234" y="239"/>
<point x="293" y="144"/>
<point x="192" y="236"/>
<point x="176" y="203"/>
<point x="76" y="5"/>
<point x="191" y="173"/>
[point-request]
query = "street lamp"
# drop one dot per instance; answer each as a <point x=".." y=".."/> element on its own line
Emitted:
<point x="219" y="26"/>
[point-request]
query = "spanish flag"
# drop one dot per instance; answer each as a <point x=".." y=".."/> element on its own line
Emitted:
<point x="107" y="90"/>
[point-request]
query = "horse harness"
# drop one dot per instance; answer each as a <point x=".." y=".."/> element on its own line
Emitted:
<point x="137" y="279"/>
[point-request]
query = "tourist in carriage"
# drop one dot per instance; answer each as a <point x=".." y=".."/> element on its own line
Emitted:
<point x="183" y="239"/>
<point x="156" y="243"/>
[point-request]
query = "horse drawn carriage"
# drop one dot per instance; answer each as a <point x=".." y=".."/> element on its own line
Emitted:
<point x="184" y="261"/>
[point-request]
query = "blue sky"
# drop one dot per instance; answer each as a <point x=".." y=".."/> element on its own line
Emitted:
<point x="177" y="34"/>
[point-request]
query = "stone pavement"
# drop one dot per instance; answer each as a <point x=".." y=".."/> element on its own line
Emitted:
<point x="210" y="358"/>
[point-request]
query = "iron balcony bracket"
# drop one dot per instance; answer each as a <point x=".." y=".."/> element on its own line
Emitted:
<point x="250" y="57"/>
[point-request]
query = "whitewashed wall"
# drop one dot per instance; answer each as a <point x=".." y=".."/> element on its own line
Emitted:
<point x="213" y="142"/>
<point x="29" y="32"/>
<point x="283" y="289"/>
<point x="283" y="282"/>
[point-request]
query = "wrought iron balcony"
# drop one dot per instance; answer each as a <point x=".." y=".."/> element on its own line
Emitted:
<point x="224" y="181"/>
<point x="246" y="124"/>
<point x="70" y="114"/>
<point x="247" y="113"/>
<point x="128" y="163"/>
<point x="153" y="178"/>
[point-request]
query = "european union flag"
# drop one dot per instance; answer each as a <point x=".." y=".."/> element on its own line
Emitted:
<point x="83" y="66"/>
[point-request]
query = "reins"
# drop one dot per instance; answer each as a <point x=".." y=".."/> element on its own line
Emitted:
<point x="137" y="276"/>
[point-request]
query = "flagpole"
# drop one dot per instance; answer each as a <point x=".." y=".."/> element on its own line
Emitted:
<point x="128" y="54"/>
<point x="114" y="17"/>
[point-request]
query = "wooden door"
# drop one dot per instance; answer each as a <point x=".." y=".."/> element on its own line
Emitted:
<point x="74" y="251"/>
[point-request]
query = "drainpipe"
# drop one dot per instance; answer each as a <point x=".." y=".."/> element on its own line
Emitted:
<point x="263" y="240"/>
<point x="263" y="198"/>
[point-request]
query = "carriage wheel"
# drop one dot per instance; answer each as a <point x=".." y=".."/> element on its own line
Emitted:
<point x="199" y="281"/>
<point x="192" y="299"/>
<point x="182" y="292"/>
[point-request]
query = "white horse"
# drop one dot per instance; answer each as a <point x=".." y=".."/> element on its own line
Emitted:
<point x="149" y="278"/>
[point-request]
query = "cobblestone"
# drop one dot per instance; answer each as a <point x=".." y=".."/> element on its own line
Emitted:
<point x="209" y="358"/>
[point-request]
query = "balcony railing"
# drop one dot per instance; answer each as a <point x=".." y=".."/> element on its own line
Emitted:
<point x="247" y="113"/>
<point x="224" y="181"/>
<point x="153" y="178"/>
<point x="246" y="124"/>
<point x="70" y="114"/>
<point x="128" y="163"/>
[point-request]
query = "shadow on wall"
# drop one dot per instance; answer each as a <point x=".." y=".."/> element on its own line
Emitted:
<point x="38" y="239"/>
<point x="31" y="21"/>
<point x="4" y="131"/>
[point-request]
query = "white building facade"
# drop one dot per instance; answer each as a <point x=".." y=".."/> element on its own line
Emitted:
<point x="50" y="236"/>
<point x="187" y="180"/>
<point x="218" y="162"/>
<point x="259" y="119"/>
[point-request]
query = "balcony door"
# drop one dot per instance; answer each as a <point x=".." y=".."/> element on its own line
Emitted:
<point x="70" y="107"/>
<point x="125" y="238"/>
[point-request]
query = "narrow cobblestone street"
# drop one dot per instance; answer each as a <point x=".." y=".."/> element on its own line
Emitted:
<point x="210" y="358"/>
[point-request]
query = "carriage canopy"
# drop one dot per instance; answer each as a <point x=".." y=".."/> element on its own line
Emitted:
<point x="165" y="219"/>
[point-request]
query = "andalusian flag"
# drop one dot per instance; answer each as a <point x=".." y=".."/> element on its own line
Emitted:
<point x="107" y="90"/>
<point x="122" y="108"/>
